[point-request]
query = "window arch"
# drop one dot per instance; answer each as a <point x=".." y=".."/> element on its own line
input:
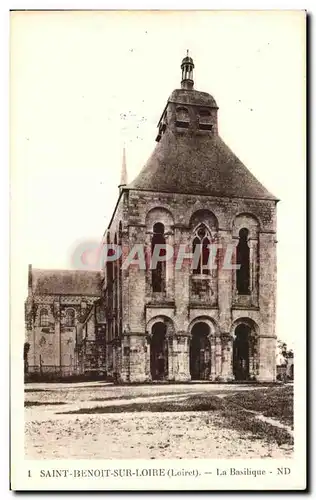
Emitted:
<point x="159" y="213"/>
<point x="159" y="273"/>
<point x="202" y="238"/>
<point x="70" y="317"/>
<point x="206" y="217"/>
<point x="243" y="260"/>
<point x="44" y="317"/>
<point x="246" y="220"/>
<point x="182" y="113"/>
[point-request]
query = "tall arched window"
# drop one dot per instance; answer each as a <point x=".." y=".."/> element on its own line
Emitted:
<point x="70" y="317"/>
<point x="243" y="273"/>
<point x="120" y="280"/>
<point x="44" y="317"/>
<point x="109" y="264"/>
<point x="159" y="274"/>
<point x="203" y="239"/>
<point x="116" y="290"/>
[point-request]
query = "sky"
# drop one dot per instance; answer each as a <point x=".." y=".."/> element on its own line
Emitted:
<point x="83" y="84"/>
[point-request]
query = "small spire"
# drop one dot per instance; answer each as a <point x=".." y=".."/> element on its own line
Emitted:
<point x="123" y="171"/>
<point x="187" y="66"/>
<point x="30" y="276"/>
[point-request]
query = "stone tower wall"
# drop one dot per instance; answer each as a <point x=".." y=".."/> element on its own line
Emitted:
<point x="223" y="308"/>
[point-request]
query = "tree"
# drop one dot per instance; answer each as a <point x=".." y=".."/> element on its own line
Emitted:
<point x="285" y="359"/>
<point x="284" y="351"/>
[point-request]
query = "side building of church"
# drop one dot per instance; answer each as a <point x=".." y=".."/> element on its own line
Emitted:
<point x="178" y="323"/>
<point x="65" y="326"/>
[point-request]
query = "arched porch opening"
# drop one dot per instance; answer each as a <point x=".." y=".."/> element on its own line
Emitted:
<point x="200" y="352"/>
<point x="245" y="351"/>
<point x="159" y="351"/>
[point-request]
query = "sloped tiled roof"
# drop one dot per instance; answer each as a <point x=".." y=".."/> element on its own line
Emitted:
<point x="198" y="165"/>
<point x="51" y="281"/>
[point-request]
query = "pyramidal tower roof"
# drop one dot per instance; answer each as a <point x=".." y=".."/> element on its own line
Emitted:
<point x="190" y="157"/>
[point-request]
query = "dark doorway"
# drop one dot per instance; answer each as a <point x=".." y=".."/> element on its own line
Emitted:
<point x="241" y="352"/>
<point x="200" y="355"/>
<point x="159" y="352"/>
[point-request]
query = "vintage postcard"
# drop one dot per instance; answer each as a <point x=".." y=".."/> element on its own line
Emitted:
<point x="157" y="250"/>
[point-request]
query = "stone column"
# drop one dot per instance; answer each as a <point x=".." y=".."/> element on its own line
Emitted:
<point x="148" y="281"/>
<point x="147" y="357"/>
<point x="182" y="236"/>
<point x="182" y="353"/>
<point x="114" y="358"/>
<point x="109" y="358"/>
<point x="256" y="358"/>
<point x="227" y="357"/>
<point x="225" y="274"/>
<point x="266" y="357"/>
<point x="233" y="274"/>
<point x="212" y="341"/>
<point x="252" y="358"/>
<point x="119" y="357"/>
<point x="137" y="357"/>
<point x="170" y="269"/>
<point x="186" y="358"/>
<point x="218" y="357"/>
<point x="58" y="351"/>
<point x="124" y="374"/>
<point x="253" y="256"/>
<point x="171" y="354"/>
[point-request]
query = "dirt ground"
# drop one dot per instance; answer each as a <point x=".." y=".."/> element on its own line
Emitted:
<point x="99" y="432"/>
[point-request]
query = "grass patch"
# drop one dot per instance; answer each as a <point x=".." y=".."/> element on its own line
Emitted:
<point x="36" y="390"/>
<point x="245" y="422"/>
<point x="193" y="403"/>
<point x="274" y="402"/>
<point x="152" y="395"/>
<point x="27" y="404"/>
<point x="228" y="412"/>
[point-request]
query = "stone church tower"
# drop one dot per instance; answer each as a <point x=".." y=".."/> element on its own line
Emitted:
<point x="182" y="324"/>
